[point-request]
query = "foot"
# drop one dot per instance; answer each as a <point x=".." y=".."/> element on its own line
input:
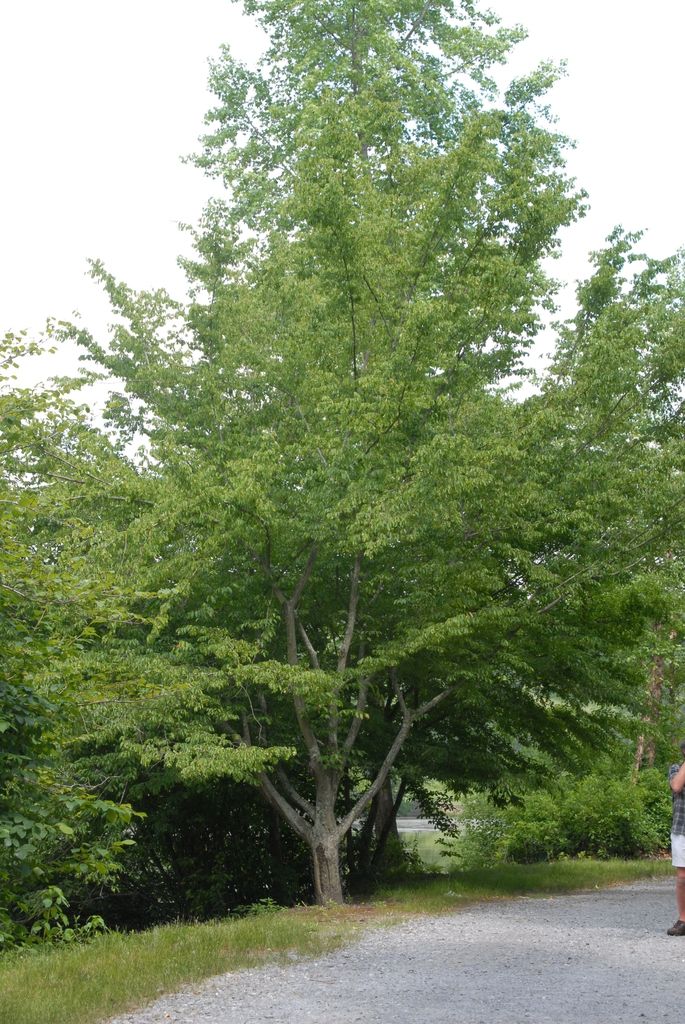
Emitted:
<point x="677" y="929"/>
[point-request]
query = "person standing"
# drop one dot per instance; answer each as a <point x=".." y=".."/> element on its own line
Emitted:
<point x="676" y="778"/>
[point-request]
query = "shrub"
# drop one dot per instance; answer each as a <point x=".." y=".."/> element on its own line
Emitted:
<point x="598" y="815"/>
<point x="202" y="852"/>
<point x="401" y="860"/>
<point x="482" y="831"/>
<point x="533" y="832"/>
<point x="57" y="839"/>
<point x="604" y="817"/>
<point x="656" y="798"/>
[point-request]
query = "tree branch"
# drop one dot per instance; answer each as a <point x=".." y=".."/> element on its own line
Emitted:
<point x="308" y="736"/>
<point x="423" y="709"/>
<point x="293" y="818"/>
<point x="313" y="656"/>
<point x="353" y="317"/>
<point x="382" y="775"/>
<point x="356" y="723"/>
<point x="295" y="797"/>
<point x="304" y="578"/>
<point x="408" y="719"/>
<point x="414" y="25"/>
<point x="19" y="593"/>
<point x="351" y="614"/>
<point x="67" y="462"/>
<point x="388" y="329"/>
<point x="344" y="652"/>
<point x="398" y="692"/>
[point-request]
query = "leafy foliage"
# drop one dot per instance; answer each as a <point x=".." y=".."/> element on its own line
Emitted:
<point x="202" y="853"/>
<point x="55" y="836"/>
<point x="206" y="845"/>
<point x="602" y="814"/>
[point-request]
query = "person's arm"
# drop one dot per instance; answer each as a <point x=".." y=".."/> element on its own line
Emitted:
<point x="677" y="781"/>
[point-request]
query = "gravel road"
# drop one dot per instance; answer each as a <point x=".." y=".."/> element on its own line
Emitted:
<point x="588" y="958"/>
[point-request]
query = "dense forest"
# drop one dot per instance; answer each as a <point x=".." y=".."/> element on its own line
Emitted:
<point x="332" y="543"/>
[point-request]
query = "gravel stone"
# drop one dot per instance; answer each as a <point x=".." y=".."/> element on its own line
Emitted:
<point x="586" y="958"/>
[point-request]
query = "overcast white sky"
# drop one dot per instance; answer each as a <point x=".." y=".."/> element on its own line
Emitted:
<point x="99" y="99"/>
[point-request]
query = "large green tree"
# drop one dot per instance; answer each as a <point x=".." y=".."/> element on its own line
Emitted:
<point x="345" y="521"/>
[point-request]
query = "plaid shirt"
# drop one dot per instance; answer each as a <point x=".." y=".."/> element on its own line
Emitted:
<point x="678" y="826"/>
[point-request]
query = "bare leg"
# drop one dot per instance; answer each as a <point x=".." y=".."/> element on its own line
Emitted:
<point x="680" y="892"/>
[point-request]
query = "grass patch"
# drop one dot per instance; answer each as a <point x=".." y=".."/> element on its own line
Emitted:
<point x="439" y="893"/>
<point x="117" y="973"/>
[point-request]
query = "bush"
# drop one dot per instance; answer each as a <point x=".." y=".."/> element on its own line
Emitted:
<point x="57" y="839"/>
<point x="598" y="815"/>
<point x="656" y="798"/>
<point x="482" y="831"/>
<point x="533" y="832"/>
<point x="401" y="860"/>
<point x="604" y="817"/>
<point x="202" y="852"/>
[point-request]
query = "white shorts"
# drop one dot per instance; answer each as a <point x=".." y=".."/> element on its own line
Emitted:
<point x="678" y="851"/>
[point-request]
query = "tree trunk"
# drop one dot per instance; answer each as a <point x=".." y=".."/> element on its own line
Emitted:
<point x="349" y="838"/>
<point x="385" y="824"/>
<point x="362" y="862"/>
<point x="326" y="870"/>
<point x="280" y="894"/>
<point x="389" y="826"/>
<point x="645" y="743"/>
<point x="655" y="689"/>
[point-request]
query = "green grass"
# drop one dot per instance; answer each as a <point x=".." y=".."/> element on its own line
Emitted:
<point x="444" y="892"/>
<point x="114" y="973"/>
<point x="85" y="984"/>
